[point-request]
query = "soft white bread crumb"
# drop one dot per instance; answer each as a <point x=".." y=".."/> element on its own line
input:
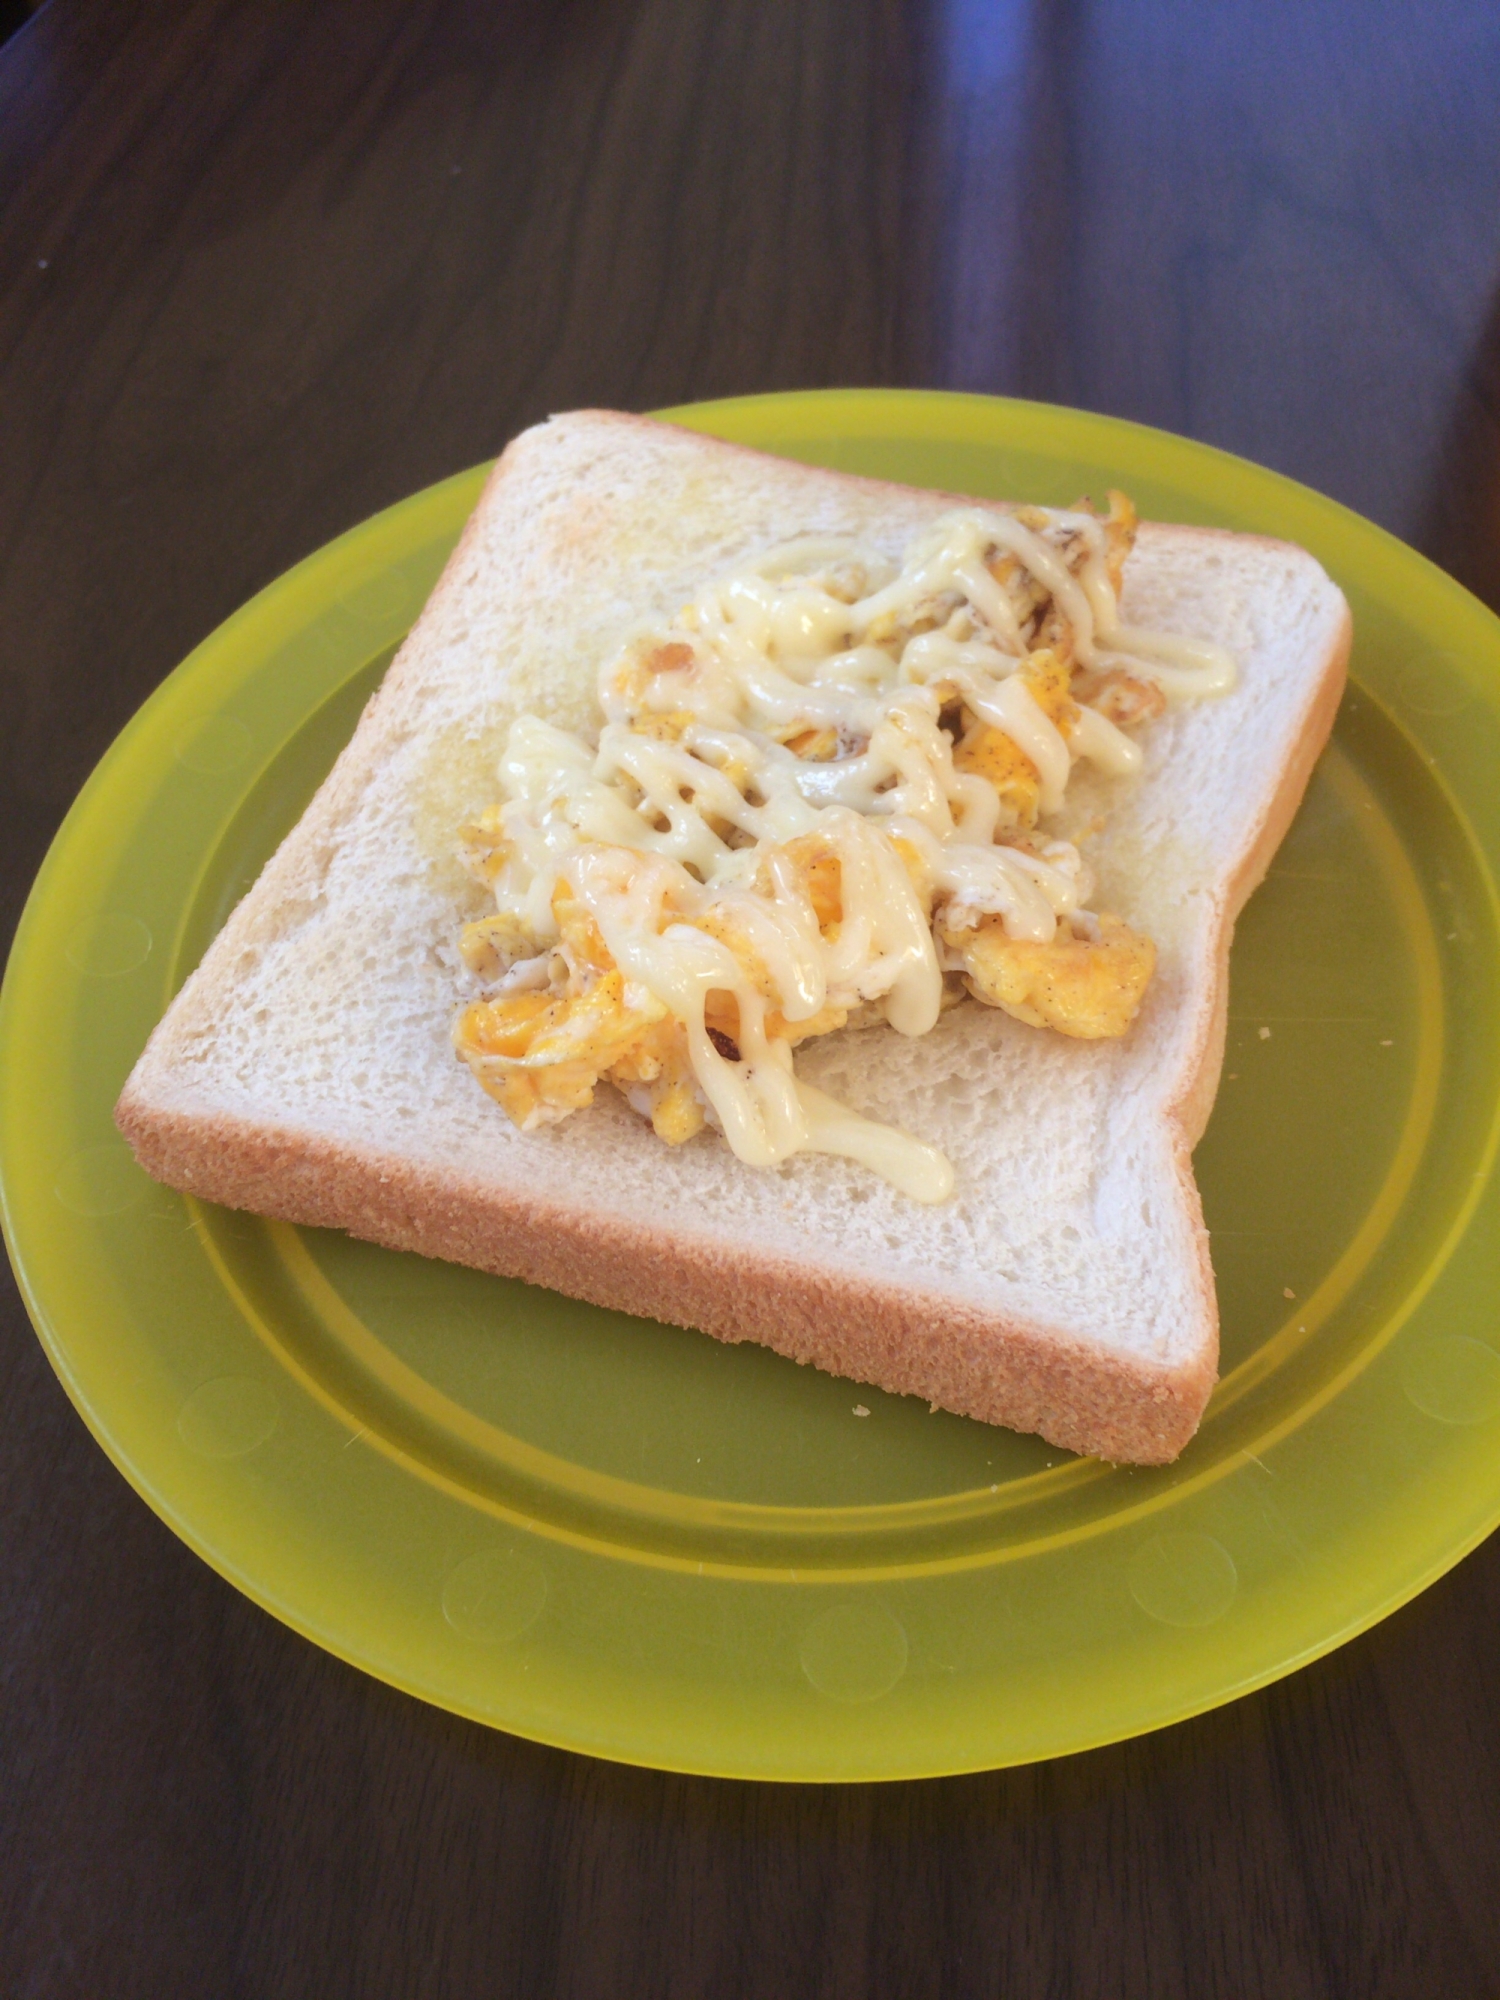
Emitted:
<point x="306" y="1070"/>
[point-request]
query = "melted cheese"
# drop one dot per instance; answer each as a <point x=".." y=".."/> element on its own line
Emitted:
<point x="683" y="809"/>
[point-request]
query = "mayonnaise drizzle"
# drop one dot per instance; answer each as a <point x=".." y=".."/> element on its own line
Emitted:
<point x="685" y="805"/>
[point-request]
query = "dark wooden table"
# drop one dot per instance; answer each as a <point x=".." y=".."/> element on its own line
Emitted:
<point x="268" y="267"/>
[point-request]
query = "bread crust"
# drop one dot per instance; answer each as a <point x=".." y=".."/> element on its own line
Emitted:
<point x="1003" y="1371"/>
<point x="986" y="1364"/>
<point x="1188" y="1112"/>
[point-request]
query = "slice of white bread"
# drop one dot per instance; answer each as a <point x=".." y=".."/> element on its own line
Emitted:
<point x="305" y="1070"/>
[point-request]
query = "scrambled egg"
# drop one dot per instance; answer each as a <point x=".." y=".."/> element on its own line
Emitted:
<point x="1086" y="986"/>
<point x="991" y="754"/>
<point x="539" y="1052"/>
<point x="566" y="1017"/>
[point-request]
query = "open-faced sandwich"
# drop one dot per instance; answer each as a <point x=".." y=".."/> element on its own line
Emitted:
<point x="789" y="905"/>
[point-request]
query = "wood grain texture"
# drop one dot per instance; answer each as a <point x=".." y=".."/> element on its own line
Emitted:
<point x="267" y="268"/>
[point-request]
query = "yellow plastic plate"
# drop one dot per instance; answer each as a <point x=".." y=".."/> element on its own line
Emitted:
<point x="627" y="1539"/>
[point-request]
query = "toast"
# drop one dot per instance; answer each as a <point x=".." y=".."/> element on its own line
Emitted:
<point x="306" y="1069"/>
